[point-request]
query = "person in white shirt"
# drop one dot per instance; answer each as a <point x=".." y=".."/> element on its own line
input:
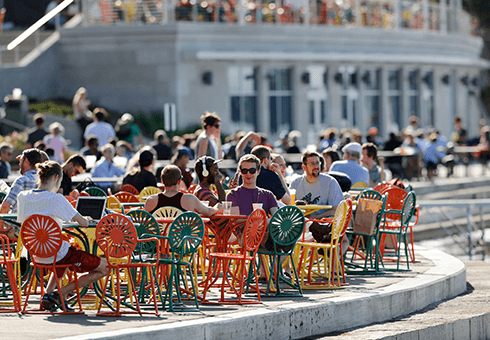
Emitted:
<point x="46" y="201"/>
<point x="105" y="167"/>
<point x="100" y="129"/>
<point x="350" y="164"/>
<point x="315" y="187"/>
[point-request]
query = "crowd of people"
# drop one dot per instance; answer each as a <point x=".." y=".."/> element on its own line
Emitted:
<point x="341" y="159"/>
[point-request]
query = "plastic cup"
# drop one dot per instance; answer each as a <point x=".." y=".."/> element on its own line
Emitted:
<point x="257" y="206"/>
<point x="293" y="195"/>
<point x="226" y="208"/>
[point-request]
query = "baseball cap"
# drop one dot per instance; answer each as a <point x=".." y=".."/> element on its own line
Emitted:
<point x="352" y="147"/>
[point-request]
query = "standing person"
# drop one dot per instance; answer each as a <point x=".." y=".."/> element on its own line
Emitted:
<point x="99" y="128"/>
<point x="314" y="187"/>
<point x="208" y="173"/>
<point x="172" y="197"/>
<point x="350" y="165"/>
<point x="73" y="166"/>
<point x="369" y="158"/>
<point x="127" y="129"/>
<point x="209" y="141"/>
<point x="6" y="150"/>
<point x="106" y="168"/>
<point x="459" y="135"/>
<point x="46" y="201"/>
<point x="56" y="141"/>
<point x="80" y="110"/>
<point x="36" y="133"/>
<point x="143" y="177"/>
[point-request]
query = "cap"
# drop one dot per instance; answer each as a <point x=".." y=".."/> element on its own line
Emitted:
<point x="353" y="147"/>
<point x="210" y="161"/>
<point x="186" y="151"/>
<point x="146" y="156"/>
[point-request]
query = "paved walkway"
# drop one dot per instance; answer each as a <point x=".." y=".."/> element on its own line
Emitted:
<point x="275" y="319"/>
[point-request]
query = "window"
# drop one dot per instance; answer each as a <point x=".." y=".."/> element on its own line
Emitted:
<point x="243" y="94"/>
<point x="280" y="100"/>
<point x="347" y="77"/>
<point x="372" y="79"/>
<point x="414" y="93"/>
<point x="394" y="98"/>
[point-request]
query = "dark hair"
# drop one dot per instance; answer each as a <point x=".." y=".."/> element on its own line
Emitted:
<point x="332" y="153"/>
<point x="50" y="152"/>
<point x="40" y="145"/>
<point x="48" y="169"/>
<point x="33" y="156"/>
<point x="249" y="158"/>
<point x="178" y="155"/>
<point x="171" y="175"/>
<point x="261" y="151"/>
<point x="372" y="150"/>
<point x="209" y="119"/>
<point x="38" y="119"/>
<point x="77" y="160"/>
<point x="309" y="154"/>
<point x="100" y="113"/>
<point x="92" y="140"/>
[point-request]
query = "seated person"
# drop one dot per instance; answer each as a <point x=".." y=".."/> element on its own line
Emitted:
<point x="203" y="191"/>
<point x="143" y="177"/>
<point x="46" y="201"/>
<point x="172" y="197"/>
<point x="106" y="167"/>
<point x="244" y="196"/>
<point x="350" y="164"/>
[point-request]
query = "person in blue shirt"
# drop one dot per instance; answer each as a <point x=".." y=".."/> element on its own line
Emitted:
<point x="105" y="167"/>
<point x="5" y="157"/>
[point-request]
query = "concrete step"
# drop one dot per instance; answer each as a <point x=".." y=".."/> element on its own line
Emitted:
<point x="466" y="316"/>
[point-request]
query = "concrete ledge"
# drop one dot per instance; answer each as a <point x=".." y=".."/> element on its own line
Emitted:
<point x="445" y="280"/>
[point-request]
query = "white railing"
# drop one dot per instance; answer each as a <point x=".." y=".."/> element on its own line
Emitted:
<point x="35" y="30"/>
<point x="383" y="14"/>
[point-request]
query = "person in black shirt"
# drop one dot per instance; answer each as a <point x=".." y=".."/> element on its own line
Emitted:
<point x="36" y="133"/>
<point x="73" y="166"/>
<point x="161" y="145"/>
<point x="142" y="178"/>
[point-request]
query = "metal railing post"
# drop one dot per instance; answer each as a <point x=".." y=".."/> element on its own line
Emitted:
<point x="396" y="11"/>
<point x="443" y="15"/>
<point x="469" y="229"/>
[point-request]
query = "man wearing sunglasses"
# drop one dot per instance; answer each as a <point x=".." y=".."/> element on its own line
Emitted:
<point x="73" y="166"/>
<point x="248" y="193"/>
<point x="315" y="187"/>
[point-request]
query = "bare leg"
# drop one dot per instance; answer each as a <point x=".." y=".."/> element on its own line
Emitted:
<point x="95" y="275"/>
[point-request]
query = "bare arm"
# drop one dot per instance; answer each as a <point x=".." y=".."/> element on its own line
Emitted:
<point x="191" y="203"/>
<point x="82" y="221"/>
<point x="5" y="207"/>
<point x="151" y="203"/>
<point x="242" y="144"/>
<point x="286" y="199"/>
<point x="203" y="147"/>
<point x="219" y="186"/>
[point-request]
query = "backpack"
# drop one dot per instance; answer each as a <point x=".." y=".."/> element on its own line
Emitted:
<point x="123" y="130"/>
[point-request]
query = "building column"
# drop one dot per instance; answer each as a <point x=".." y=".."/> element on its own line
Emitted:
<point x="396" y="11"/>
<point x="443" y="15"/>
<point x="263" y="112"/>
<point x="306" y="5"/>
<point x="386" y="119"/>
<point x="425" y="11"/>
<point x="457" y="14"/>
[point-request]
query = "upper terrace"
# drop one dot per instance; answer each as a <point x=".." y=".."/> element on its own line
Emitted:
<point x="438" y="16"/>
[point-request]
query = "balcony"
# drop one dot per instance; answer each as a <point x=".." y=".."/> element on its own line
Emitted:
<point x="444" y="16"/>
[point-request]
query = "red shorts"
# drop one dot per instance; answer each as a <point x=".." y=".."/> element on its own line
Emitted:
<point x="83" y="262"/>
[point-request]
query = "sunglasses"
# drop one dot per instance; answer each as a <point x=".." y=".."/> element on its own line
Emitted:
<point x="77" y="171"/>
<point x="246" y="171"/>
<point x="217" y="126"/>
